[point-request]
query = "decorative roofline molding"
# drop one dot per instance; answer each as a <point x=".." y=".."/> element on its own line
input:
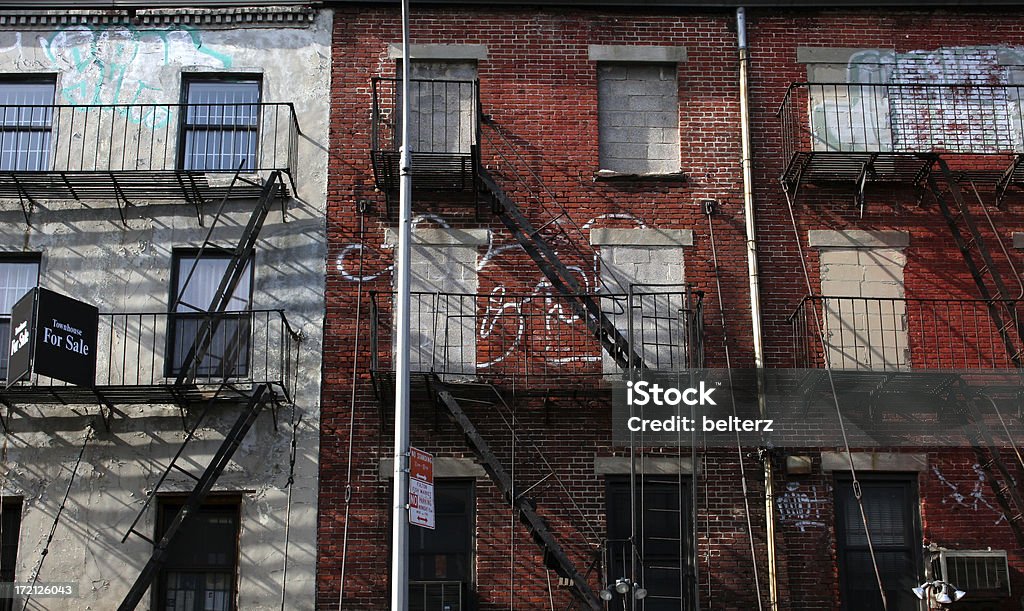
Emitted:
<point x="254" y="16"/>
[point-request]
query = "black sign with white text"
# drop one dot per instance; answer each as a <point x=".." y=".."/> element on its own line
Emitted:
<point x="65" y="338"/>
<point x="22" y="326"/>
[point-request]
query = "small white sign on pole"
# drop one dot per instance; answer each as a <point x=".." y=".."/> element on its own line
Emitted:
<point x="421" y="488"/>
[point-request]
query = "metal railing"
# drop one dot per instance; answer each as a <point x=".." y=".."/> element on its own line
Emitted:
<point x="888" y="333"/>
<point x="501" y="335"/>
<point x="904" y="118"/>
<point x="142" y="349"/>
<point x="124" y="138"/>
<point x="445" y="116"/>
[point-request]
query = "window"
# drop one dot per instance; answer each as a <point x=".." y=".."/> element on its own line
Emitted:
<point x="18" y="275"/>
<point x="443" y="106"/>
<point x="10" y="528"/>
<point x="220" y="125"/>
<point x="662" y="556"/>
<point x="891" y="507"/>
<point x="445" y="553"/>
<point x="201" y="570"/>
<point x="638" y="117"/>
<point x="194" y="285"/>
<point x="26" y="114"/>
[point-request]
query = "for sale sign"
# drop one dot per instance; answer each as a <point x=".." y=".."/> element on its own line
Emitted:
<point x="421" y="488"/>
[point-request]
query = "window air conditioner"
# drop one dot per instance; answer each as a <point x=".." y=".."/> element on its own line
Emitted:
<point x="437" y="596"/>
<point x="981" y="573"/>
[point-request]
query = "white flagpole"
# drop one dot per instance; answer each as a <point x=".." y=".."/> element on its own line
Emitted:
<point x="400" y="513"/>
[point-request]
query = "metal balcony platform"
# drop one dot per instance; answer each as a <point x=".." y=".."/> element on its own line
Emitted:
<point x="128" y="186"/>
<point x="140" y="356"/>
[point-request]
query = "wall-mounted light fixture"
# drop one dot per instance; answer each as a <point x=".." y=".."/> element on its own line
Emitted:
<point x="941" y="590"/>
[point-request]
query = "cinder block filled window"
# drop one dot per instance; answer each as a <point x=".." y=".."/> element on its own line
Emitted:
<point x="194" y="284"/>
<point x="10" y="529"/>
<point x="19" y="273"/>
<point x="201" y="571"/>
<point x="443" y="106"/>
<point x="220" y="124"/>
<point x="638" y="117"/>
<point x="26" y="117"/>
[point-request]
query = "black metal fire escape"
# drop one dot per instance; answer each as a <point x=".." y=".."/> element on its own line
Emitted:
<point x="532" y="238"/>
<point x="1003" y="312"/>
<point x="272" y="190"/>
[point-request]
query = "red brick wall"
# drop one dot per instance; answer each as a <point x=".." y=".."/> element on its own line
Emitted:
<point x="541" y="89"/>
<point x="935" y="268"/>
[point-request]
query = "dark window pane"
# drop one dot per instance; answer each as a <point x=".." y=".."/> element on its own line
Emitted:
<point x="10" y="529"/>
<point x="662" y="554"/>
<point x="445" y="553"/>
<point x="220" y="125"/>
<point x="26" y="116"/>
<point x="200" y="571"/>
<point x="890" y="506"/>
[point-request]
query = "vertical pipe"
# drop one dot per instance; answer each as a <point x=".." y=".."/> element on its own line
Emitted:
<point x="400" y="510"/>
<point x="755" y="293"/>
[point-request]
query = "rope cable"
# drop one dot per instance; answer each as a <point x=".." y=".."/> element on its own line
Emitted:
<point x="820" y="328"/>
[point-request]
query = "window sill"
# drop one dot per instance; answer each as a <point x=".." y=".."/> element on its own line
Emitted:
<point x="613" y="176"/>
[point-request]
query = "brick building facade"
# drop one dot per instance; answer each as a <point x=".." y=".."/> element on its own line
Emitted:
<point x="601" y="187"/>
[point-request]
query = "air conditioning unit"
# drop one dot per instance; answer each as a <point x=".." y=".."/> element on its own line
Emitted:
<point x="437" y="596"/>
<point x="983" y="574"/>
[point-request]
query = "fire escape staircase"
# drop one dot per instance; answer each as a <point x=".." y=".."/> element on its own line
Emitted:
<point x="585" y="306"/>
<point x="555" y="557"/>
<point x="1002" y="309"/>
<point x="272" y="191"/>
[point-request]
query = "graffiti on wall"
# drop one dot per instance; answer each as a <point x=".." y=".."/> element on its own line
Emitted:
<point x="800" y="508"/>
<point x="972" y="496"/>
<point x="504" y="313"/>
<point x="121" y="65"/>
<point x="892" y="103"/>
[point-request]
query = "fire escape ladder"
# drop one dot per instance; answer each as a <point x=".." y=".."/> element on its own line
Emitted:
<point x="196" y="498"/>
<point x="1004" y="485"/>
<point x="1003" y="311"/>
<point x="190" y="368"/>
<point x="587" y="307"/>
<point x="989" y="281"/>
<point x="240" y="258"/>
<point x="555" y="557"/>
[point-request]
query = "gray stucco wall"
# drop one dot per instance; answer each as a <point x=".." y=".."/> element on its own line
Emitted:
<point x="88" y="253"/>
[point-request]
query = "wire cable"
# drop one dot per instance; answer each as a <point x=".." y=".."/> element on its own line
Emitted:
<point x="295" y="424"/>
<point x="820" y="327"/>
<point x="56" y="518"/>
<point x="352" y="417"/>
<point x="739" y="446"/>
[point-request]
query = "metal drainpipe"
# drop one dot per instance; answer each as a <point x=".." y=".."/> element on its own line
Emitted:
<point x="755" y="293"/>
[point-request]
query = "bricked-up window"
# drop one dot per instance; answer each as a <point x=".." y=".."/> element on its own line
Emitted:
<point x="220" y="125"/>
<point x="19" y="273"/>
<point x="891" y="506"/>
<point x="10" y="528"/>
<point x="443" y="105"/>
<point x="663" y="553"/>
<point x="638" y="117"/>
<point x="26" y="116"/>
<point x="202" y="562"/>
<point x="228" y="353"/>
<point x="445" y="553"/>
